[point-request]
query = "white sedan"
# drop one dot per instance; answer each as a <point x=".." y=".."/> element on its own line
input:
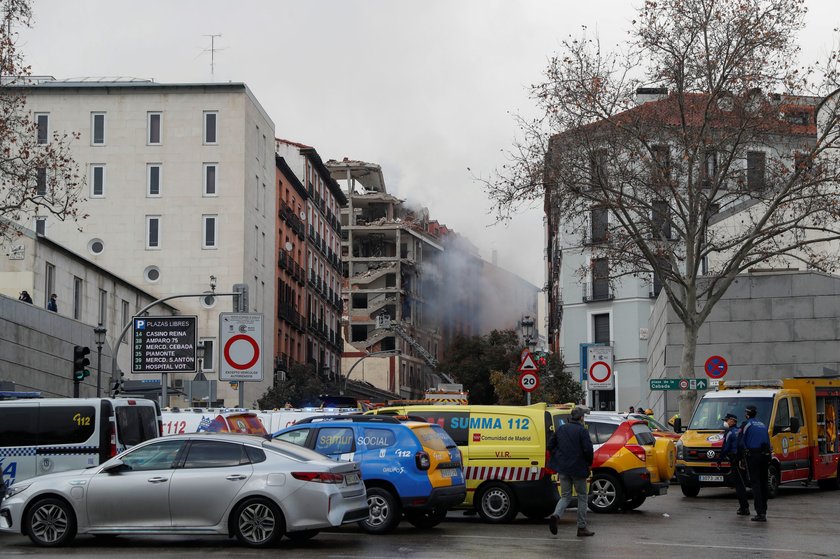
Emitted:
<point x="234" y="485"/>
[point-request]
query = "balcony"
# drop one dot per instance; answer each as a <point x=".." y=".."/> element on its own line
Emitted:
<point x="599" y="290"/>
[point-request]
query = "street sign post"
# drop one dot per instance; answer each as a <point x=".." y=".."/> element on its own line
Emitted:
<point x="527" y="363"/>
<point x="678" y="384"/>
<point x="164" y="344"/>
<point x="240" y="336"/>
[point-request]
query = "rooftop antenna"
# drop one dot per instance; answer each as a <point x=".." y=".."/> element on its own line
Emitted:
<point x="212" y="50"/>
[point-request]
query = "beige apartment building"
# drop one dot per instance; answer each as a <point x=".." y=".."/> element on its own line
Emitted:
<point x="179" y="192"/>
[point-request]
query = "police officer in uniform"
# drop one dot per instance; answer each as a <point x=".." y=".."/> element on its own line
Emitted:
<point x="754" y="442"/>
<point x="730" y="452"/>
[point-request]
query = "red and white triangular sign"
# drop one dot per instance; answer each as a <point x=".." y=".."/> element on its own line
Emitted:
<point x="528" y="363"/>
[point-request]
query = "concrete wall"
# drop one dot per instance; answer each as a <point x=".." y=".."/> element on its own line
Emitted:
<point x="767" y="326"/>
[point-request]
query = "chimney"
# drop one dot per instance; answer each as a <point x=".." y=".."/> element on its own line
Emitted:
<point x="494" y="257"/>
<point x="647" y="94"/>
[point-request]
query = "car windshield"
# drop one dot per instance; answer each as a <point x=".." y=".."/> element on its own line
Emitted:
<point x="711" y="411"/>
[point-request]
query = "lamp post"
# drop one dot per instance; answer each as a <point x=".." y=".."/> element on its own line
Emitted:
<point x="362" y="358"/>
<point x="99" y="333"/>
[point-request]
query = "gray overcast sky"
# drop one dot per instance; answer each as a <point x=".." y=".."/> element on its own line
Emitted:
<point x="423" y="88"/>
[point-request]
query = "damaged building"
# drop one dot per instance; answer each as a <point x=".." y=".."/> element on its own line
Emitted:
<point x="390" y="253"/>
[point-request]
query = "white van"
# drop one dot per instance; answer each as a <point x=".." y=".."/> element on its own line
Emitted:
<point x="45" y="435"/>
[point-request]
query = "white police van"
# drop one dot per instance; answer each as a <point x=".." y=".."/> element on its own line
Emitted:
<point x="44" y="435"/>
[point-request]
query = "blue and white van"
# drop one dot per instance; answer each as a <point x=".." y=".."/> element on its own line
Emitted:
<point x="45" y="435"/>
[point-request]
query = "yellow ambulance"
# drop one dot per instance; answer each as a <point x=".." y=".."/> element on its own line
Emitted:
<point x="801" y="415"/>
<point x="504" y="455"/>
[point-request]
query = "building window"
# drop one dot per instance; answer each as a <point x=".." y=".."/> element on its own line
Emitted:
<point x="710" y="168"/>
<point x="97" y="181"/>
<point x="601" y="328"/>
<point x="209" y="229"/>
<point x="103" y="307"/>
<point x="96" y="246"/>
<point x="155" y="128"/>
<point x="152" y="232"/>
<point x="755" y="169"/>
<point x="41" y="181"/>
<point x="661" y="220"/>
<point x="124" y="317"/>
<point x="210" y="173"/>
<point x="599" y="225"/>
<point x="210" y="124"/>
<point x="41" y="226"/>
<point x="97" y="127"/>
<point x="153" y="179"/>
<point x="661" y="172"/>
<point x="600" y="279"/>
<point x="49" y="282"/>
<point x="152" y="274"/>
<point x="42" y="122"/>
<point x="77" y="297"/>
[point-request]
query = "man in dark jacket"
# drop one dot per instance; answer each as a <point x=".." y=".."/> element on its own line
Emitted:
<point x="730" y="452"/>
<point x="754" y="443"/>
<point x="571" y="457"/>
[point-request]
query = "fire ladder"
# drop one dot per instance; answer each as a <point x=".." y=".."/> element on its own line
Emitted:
<point x="384" y="321"/>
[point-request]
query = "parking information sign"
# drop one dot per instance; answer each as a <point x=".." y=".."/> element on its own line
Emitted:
<point x="164" y="344"/>
<point x="240" y="336"/>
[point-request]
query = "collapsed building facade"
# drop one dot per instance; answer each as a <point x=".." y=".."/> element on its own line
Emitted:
<point x="392" y="284"/>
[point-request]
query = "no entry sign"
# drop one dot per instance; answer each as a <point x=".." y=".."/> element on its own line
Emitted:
<point x="240" y="336"/>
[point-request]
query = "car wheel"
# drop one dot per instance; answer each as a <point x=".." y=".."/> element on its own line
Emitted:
<point x="605" y="493"/>
<point x="772" y="482"/>
<point x="496" y="503"/>
<point x="690" y="489"/>
<point x="302" y="535"/>
<point x="258" y="523"/>
<point x="634" y="503"/>
<point x="426" y="519"/>
<point x="384" y="511"/>
<point x="50" y="523"/>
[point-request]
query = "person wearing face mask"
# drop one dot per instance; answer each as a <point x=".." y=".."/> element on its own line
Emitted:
<point x="730" y="452"/>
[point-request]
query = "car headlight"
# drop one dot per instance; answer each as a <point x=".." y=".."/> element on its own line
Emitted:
<point x="680" y="450"/>
<point x="17" y="488"/>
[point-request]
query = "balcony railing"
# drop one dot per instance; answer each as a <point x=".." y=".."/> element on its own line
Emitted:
<point x="597" y="291"/>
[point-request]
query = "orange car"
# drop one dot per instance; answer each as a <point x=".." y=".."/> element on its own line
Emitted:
<point x="630" y="464"/>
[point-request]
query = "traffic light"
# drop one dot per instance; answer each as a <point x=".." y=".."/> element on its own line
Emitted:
<point x="80" y="363"/>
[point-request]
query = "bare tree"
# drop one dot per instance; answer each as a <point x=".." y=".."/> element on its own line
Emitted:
<point x="38" y="176"/>
<point x="723" y="169"/>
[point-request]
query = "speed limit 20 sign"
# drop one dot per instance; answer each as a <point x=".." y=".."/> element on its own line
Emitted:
<point x="529" y="381"/>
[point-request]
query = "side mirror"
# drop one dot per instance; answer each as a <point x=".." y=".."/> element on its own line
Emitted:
<point x="678" y="425"/>
<point x="116" y="467"/>
<point x="794" y="425"/>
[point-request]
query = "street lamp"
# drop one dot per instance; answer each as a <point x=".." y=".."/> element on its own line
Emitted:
<point x="362" y="358"/>
<point x="99" y="333"/>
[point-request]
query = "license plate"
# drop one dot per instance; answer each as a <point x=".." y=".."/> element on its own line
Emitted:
<point x="351" y="479"/>
<point x="712" y="478"/>
<point x="449" y="472"/>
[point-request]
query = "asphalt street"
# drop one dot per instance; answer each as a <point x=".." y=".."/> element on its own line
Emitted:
<point x="802" y="522"/>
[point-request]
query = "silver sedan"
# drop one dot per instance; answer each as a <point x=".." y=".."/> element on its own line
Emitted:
<point x="234" y="485"/>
